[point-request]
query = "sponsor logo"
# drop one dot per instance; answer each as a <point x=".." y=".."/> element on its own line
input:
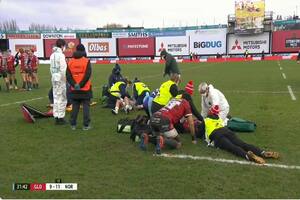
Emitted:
<point x="208" y="44"/>
<point x="25" y="47"/>
<point x="236" y="45"/>
<point x="23" y="36"/>
<point x="138" y="34"/>
<point x="53" y="36"/>
<point x="2" y="36"/>
<point x="136" y="46"/>
<point x="98" y="47"/>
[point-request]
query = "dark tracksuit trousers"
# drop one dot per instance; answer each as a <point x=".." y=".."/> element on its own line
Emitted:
<point x="227" y="140"/>
<point x="75" y="110"/>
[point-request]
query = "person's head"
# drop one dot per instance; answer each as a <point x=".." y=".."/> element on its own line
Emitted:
<point x="21" y="50"/>
<point x="214" y="110"/>
<point x="203" y="89"/>
<point x="163" y="54"/>
<point x="136" y="79"/>
<point x="60" y="43"/>
<point x="116" y="69"/>
<point x="189" y="88"/>
<point x="80" y="48"/>
<point x="175" y="77"/>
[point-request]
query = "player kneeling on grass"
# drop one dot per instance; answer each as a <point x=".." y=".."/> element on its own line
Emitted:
<point x="11" y="70"/>
<point x="119" y="97"/>
<point x="221" y="137"/>
<point x="140" y="91"/>
<point x="162" y="124"/>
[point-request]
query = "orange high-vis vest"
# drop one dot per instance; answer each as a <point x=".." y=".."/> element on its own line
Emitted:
<point x="78" y="69"/>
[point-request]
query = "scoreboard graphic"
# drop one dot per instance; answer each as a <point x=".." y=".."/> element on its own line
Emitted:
<point x="45" y="186"/>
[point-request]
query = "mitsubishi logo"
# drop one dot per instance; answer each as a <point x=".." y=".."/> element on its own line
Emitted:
<point x="236" y="46"/>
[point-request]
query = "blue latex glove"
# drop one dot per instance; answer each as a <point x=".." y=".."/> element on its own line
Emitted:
<point x="77" y="87"/>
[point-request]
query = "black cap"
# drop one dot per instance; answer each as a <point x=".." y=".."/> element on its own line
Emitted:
<point x="80" y="47"/>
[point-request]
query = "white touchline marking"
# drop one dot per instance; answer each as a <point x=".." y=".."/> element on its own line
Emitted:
<point x="23" y="101"/>
<point x="291" y="93"/>
<point x="256" y="92"/>
<point x="221" y="160"/>
<point x="283" y="75"/>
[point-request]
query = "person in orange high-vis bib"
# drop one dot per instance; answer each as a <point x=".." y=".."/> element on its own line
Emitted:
<point x="78" y="75"/>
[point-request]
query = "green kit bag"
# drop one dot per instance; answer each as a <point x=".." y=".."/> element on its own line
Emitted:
<point x="241" y="125"/>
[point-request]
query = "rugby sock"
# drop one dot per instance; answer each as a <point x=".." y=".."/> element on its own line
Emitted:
<point x="37" y="85"/>
<point x="16" y="82"/>
<point x="10" y="81"/>
<point x="117" y="109"/>
<point x="24" y="85"/>
<point x="7" y="86"/>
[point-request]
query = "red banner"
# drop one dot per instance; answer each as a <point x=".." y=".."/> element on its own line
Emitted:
<point x="136" y="46"/>
<point x="286" y="41"/>
<point x="71" y="47"/>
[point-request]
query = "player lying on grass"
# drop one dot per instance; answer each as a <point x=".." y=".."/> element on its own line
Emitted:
<point x="221" y="137"/>
<point x="162" y="124"/>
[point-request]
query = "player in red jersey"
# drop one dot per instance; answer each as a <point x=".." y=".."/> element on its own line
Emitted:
<point x="162" y="123"/>
<point x="3" y="69"/>
<point x="11" y="70"/>
<point x="34" y="62"/>
<point x="23" y="57"/>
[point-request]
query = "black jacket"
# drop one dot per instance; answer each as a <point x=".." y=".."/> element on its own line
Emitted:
<point x="77" y="95"/>
<point x="188" y="97"/>
<point x="171" y="64"/>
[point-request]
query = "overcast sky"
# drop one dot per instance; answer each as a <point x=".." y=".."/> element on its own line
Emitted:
<point x="83" y="14"/>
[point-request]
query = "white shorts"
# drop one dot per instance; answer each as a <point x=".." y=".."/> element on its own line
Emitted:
<point x="171" y="133"/>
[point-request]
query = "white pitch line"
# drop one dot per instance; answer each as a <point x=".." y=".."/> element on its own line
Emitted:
<point x="221" y="160"/>
<point x="256" y="92"/>
<point x="291" y="93"/>
<point x="283" y="75"/>
<point x="19" y="102"/>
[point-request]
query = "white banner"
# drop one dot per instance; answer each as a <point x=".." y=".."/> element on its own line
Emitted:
<point x="207" y="41"/>
<point x="36" y="44"/>
<point x="174" y="45"/>
<point x="59" y="35"/>
<point x="238" y="44"/>
<point x="100" y="47"/>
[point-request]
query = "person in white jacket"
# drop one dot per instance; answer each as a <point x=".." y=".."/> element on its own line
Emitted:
<point x="211" y="97"/>
<point x="58" y="67"/>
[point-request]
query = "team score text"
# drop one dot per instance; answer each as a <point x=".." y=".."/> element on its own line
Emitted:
<point x="61" y="186"/>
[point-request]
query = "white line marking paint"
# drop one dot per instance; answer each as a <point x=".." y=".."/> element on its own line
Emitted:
<point x="256" y="92"/>
<point x="19" y="102"/>
<point x="291" y="93"/>
<point x="283" y="75"/>
<point x="221" y="160"/>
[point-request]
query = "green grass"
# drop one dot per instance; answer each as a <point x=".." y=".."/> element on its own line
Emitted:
<point x="108" y="165"/>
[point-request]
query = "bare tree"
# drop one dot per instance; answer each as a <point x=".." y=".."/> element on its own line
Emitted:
<point x="112" y="26"/>
<point x="9" y="25"/>
<point x="41" y="27"/>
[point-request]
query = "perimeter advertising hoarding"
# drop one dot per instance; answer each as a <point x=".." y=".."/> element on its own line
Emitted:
<point x="136" y="46"/>
<point x="249" y="16"/>
<point x="207" y="41"/>
<point x="36" y="44"/>
<point x="105" y="47"/>
<point x="59" y="35"/>
<point x="177" y="46"/>
<point x="238" y="44"/>
<point x="286" y="41"/>
<point x="71" y="46"/>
